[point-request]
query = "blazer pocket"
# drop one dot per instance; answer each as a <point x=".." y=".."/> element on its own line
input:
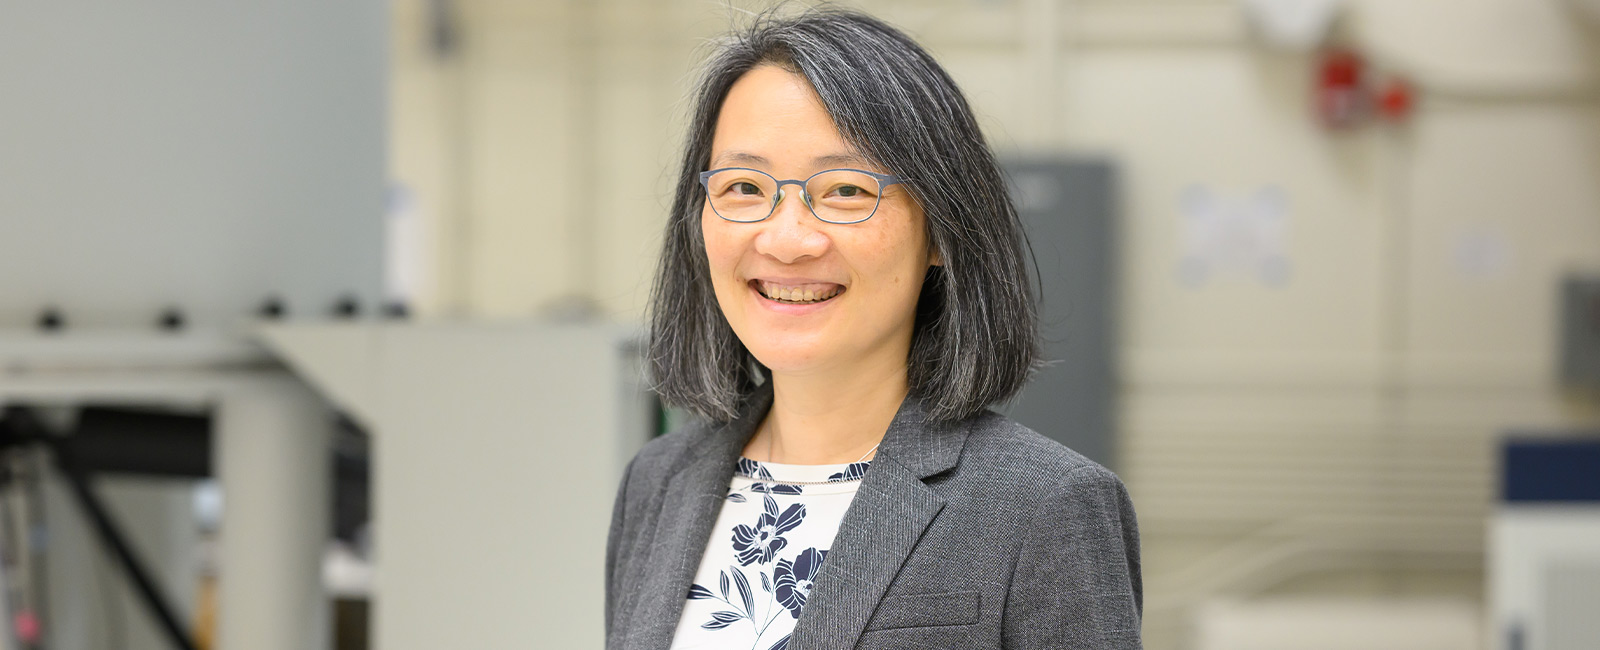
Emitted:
<point x="925" y="610"/>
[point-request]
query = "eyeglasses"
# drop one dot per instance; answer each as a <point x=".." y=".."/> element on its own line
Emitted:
<point x="841" y="196"/>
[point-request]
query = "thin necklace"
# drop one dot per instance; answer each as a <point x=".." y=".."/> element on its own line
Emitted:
<point x="769" y="451"/>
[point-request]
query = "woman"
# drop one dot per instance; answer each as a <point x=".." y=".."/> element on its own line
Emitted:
<point x="842" y="293"/>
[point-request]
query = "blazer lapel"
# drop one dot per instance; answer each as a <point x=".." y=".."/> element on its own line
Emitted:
<point x="692" y="502"/>
<point x="887" y="517"/>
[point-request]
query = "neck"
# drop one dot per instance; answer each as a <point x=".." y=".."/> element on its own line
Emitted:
<point x="829" y="418"/>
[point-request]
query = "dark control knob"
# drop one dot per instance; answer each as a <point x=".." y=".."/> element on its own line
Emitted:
<point x="52" y="320"/>
<point x="273" y="308"/>
<point x="171" y="320"/>
<point x="397" y="310"/>
<point x="347" y="307"/>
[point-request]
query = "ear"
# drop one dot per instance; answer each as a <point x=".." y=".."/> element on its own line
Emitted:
<point x="934" y="258"/>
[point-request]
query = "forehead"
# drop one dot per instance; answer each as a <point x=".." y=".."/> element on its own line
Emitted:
<point x="773" y="118"/>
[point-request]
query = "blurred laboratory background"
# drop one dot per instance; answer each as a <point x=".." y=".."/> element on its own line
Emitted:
<point x="319" y="321"/>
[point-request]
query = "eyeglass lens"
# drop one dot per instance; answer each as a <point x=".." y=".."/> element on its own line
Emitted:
<point x="838" y="196"/>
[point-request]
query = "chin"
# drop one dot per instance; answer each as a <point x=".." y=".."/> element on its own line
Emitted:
<point x="781" y="355"/>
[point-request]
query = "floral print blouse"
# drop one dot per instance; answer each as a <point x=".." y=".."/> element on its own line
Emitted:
<point x="768" y="544"/>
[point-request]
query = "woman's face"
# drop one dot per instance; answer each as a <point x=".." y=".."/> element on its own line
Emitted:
<point x="773" y="121"/>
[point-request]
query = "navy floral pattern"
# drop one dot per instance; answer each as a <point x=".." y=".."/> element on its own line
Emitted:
<point x="761" y="541"/>
<point x="774" y="555"/>
<point x="851" y="473"/>
<point x="794" y="578"/>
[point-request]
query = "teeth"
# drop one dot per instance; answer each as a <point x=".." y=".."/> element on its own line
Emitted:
<point x="801" y="294"/>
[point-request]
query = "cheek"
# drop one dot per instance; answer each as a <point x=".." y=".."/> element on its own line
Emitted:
<point x="905" y="262"/>
<point x="724" y="249"/>
<point x="719" y="250"/>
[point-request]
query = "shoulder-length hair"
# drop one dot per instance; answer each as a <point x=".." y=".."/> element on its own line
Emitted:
<point x="975" y="340"/>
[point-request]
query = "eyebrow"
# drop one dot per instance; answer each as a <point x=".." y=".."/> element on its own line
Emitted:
<point x="830" y="160"/>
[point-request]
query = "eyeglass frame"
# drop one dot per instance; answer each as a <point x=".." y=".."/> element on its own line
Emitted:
<point x="884" y="181"/>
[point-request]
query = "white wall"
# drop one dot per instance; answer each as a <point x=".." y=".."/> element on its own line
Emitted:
<point x="540" y="151"/>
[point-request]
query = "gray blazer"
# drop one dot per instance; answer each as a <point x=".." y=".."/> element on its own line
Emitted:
<point x="974" y="534"/>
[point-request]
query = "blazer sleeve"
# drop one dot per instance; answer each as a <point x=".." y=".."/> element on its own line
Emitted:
<point x="613" y="545"/>
<point x="1076" y="583"/>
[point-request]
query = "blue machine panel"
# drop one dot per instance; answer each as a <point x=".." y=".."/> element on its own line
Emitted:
<point x="1551" y="470"/>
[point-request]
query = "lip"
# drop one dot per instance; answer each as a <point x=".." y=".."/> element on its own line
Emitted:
<point x="792" y="280"/>
<point x="786" y="308"/>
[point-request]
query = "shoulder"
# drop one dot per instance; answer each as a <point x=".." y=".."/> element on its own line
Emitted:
<point x="1007" y="466"/>
<point x="1068" y="521"/>
<point x="998" y="445"/>
<point x="1069" y="511"/>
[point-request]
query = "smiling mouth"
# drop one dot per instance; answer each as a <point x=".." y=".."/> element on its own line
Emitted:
<point x="804" y="294"/>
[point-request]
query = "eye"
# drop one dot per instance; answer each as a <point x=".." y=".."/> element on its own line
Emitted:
<point x="847" y="191"/>
<point x="735" y="187"/>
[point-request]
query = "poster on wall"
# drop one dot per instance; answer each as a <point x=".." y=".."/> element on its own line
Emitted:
<point x="1221" y="236"/>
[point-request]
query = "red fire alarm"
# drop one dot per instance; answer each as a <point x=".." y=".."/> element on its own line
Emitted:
<point x="1395" y="100"/>
<point x="1341" y="95"/>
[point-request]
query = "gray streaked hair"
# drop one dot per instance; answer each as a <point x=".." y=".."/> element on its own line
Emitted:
<point x="975" y="341"/>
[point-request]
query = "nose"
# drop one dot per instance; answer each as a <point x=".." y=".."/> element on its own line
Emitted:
<point x="792" y="233"/>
